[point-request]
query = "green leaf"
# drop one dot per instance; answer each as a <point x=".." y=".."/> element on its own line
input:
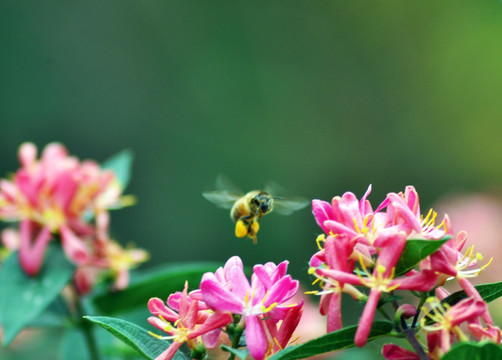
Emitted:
<point x="474" y="351"/>
<point x="488" y="292"/>
<point x="136" y="337"/>
<point x="415" y="251"/>
<point x="240" y="353"/>
<point x="121" y="164"/>
<point x="340" y="339"/>
<point x="155" y="283"/>
<point x="24" y="298"/>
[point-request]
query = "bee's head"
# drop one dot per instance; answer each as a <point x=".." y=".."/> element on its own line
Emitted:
<point x="263" y="202"/>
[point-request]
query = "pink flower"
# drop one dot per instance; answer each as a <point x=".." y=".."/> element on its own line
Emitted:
<point x="336" y="256"/>
<point x="447" y="321"/>
<point x="53" y="195"/>
<point x="350" y="217"/>
<point x="185" y="320"/>
<point x="404" y="209"/>
<point x="262" y="304"/>
<point x="379" y="281"/>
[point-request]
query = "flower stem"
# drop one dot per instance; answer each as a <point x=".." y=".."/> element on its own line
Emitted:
<point x="409" y="334"/>
<point x="86" y="327"/>
<point x="237" y="333"/>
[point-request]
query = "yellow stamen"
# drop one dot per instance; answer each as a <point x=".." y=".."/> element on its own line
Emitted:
<point x="320" y="238"/>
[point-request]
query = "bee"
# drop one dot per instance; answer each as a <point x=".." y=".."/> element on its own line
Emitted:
<point x="247" y="209"/>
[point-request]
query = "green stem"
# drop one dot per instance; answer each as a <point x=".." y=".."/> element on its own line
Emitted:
<point x="419" y="308"/>
<point x="235" y="340"/>
<point x="86" y="327"/>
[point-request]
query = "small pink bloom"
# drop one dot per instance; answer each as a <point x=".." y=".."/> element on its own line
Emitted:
<point x="265" y="297"/>
<point x="186" y="324"/>
<point x="53" y="195"/>
<point x="447" y="321"/>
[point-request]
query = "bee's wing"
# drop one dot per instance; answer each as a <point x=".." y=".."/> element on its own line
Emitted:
<point x="222" y="199"/>
<point x="290" y="204"/>
<point x="284" y="205"/>
<point x="224" y="184"/>
<point x="274" y="188"/>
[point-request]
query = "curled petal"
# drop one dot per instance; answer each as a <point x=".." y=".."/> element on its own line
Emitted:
<point x="282" y="291"/>
<point x="157" y="307"/>
<point x="74" y="247"/>
<point x="322" y="211"/>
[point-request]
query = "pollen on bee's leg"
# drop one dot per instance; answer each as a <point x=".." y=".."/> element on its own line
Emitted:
<point x="255" y="227"/>
<point x="241" y="229"/>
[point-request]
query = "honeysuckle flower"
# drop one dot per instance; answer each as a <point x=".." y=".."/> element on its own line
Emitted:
<point x="404" y="209"/>
<point x="450" y="263"/>
<point x="490" y="332"/>
<point x="352" y="217"/>
<point x="265" y="298"/>
<point x="51" y="196"/>
<point x="447" y="320"/>
<point x="184" y="321"/>
<point x="379" y="281"/>
<point x="335" y="255"/>
<point x="120" y="260"/>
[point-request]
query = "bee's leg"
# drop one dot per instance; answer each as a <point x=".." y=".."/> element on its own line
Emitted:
<point x="254" y="227"/>
<point x="241" y="228"/>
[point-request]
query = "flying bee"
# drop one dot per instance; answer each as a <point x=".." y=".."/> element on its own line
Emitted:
<point x="246" y="210"/>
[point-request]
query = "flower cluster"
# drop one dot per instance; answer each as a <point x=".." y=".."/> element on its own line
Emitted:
<point x="59" y="196"/>
<point x="227" y="299"/>
<point x="361" y="247"/>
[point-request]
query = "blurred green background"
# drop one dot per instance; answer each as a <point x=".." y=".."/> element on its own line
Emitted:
<point x="322" y="97"/>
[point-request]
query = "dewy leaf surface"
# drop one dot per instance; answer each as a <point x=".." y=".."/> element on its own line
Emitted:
<point x="135" y="336"/>
<point x="23" y="298"/>
<point x="415" y="251"/>
<point x="336" y="340"/>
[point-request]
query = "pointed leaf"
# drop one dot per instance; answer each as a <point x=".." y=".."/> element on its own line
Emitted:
<point x="474" y="351"/>
<point x="415" y="251"/>
<point x="153" y="283"/>
<point x="24" y="298"/>
<point x="488" y="292"/>
<point x="240" y="353"/>
<point x="340" y="339"/>
<point x="121" y="164"/>
<point x="136" y="337"/>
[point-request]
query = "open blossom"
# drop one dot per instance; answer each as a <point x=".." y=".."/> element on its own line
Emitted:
<point x="109" y="259"/>
<point x="261" y="303"/>
<point x="59" y="195"/>
<point x="374" y="242"/>
<point x="185" y="320"/>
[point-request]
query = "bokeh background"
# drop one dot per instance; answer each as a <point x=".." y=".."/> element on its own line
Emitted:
<point x="322" y="97"/>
